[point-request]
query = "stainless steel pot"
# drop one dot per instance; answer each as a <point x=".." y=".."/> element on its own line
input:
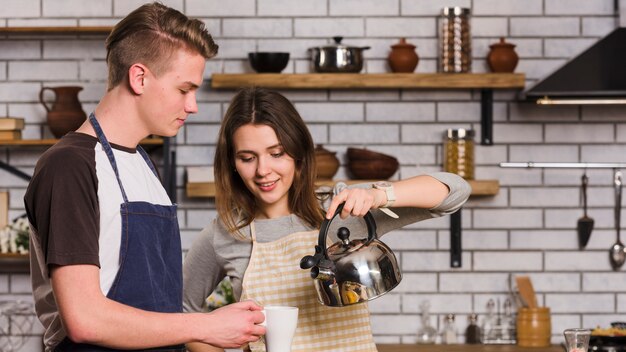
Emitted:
<point x="350" y="272"/>
<point x="337" y="58"/>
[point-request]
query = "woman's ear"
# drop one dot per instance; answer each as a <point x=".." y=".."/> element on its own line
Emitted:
<point x="136" y="76"/>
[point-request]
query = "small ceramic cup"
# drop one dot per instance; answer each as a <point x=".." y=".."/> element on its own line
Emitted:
<point x="280" y="324"/>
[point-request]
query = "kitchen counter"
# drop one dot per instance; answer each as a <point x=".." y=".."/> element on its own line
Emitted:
<point x="463" y="348"/>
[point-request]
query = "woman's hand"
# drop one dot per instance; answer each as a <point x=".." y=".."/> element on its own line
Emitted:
<point x="358" y="201"/>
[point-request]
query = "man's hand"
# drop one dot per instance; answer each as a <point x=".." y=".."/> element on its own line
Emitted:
<point x="235" y="325"/>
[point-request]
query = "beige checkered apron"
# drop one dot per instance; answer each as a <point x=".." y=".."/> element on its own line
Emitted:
<point x="274" y="277"/>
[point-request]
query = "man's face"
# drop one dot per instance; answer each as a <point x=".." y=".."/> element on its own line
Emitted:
<point x="169" y="98"/>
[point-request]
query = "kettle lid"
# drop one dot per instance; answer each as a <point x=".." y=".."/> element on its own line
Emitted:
<point x="344" y="246"/>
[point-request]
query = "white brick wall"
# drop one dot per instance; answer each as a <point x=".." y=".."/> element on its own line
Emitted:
<point x="527" y="229"/>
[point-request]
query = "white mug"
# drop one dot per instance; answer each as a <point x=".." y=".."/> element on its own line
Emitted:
<point x="280" y="326"/>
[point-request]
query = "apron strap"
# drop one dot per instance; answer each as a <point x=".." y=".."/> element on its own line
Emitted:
<point x="108" y="150"/>
<point x="145" y="156"/>
<point x="253" y="231"/>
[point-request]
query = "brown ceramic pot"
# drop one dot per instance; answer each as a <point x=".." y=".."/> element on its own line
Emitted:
<point x="502" y="57"/>
<point x="403" y="58"/>
<point x="327" y="163"/>
<point x="66" y="113"/>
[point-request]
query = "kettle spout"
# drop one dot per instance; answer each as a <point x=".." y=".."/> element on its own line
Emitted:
<point x="323" y="274"/>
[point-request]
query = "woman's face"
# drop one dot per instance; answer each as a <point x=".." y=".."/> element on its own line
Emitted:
<point x="265" y="168"/>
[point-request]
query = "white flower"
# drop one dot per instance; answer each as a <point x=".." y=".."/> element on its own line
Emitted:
<point x="14" y="237"/>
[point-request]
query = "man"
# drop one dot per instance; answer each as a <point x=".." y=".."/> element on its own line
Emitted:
<point x="106" y="257"/>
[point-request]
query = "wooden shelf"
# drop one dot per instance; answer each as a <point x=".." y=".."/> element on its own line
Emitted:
<point x="207" y="189"/>
<point x="55" y="30"/>
<point x="371" y="81"/>
<point x="484" y="187"/>
<point x="51" y="141"/>
<point x="463" y="348"/>
<point x="14" y="263"/>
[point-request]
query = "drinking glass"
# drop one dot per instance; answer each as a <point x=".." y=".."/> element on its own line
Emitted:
<point x="577" y="340"/>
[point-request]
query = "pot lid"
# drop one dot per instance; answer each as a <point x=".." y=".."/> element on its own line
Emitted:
<point x="403" y="44"/>
<point x="502" y="44"/>
<point x="338" y="45"/>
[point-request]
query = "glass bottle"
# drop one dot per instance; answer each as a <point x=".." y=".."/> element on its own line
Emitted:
<point x="488" y="325"/>
<point x="458" y="152"/>
<point x="472" y="333"/>
<point x="508" y="323"/>
<point x="426" y="333"/>
<point x="448" y="334"/>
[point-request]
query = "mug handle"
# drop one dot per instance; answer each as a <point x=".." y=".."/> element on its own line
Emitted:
<point x="41" y="97"/>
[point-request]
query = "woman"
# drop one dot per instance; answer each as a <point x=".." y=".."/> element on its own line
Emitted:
<point x="269" y="217"/>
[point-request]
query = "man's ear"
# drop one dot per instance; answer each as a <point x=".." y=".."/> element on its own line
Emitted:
<point x="136" y="76"/>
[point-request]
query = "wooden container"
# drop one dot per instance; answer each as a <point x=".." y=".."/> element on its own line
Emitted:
<point x="533" y="327"/>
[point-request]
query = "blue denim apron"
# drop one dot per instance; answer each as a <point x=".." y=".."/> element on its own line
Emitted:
<point x="150" y="273"/>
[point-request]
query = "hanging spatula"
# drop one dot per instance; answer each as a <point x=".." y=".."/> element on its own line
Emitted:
<point x="585" y="223"/>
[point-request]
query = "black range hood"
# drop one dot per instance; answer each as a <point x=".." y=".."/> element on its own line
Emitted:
<point x="597" y="76"/>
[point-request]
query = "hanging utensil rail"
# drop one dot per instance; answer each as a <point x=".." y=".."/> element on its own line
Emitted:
<point x="530" y="165"/>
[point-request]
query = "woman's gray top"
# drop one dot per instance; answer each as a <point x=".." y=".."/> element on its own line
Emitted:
<point x="215" y="254"/>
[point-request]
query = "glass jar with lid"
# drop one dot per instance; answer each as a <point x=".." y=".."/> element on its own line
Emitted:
<point x="455" y="40"/>
<point x="458" y="152"/>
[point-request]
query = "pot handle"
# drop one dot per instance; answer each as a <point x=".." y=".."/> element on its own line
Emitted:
<point x="365" y="48"/>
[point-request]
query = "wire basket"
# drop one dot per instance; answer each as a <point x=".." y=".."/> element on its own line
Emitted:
<point x="16" y="324"/>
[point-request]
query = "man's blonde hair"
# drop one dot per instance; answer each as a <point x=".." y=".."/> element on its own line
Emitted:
<point x="151" y="35"/>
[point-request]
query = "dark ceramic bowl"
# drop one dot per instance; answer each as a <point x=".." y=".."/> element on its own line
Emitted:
<point x="366" y="154"/>
<point x="365" y="164"/>
<point x="372" y="169"/>
<point x="268" y="62"/>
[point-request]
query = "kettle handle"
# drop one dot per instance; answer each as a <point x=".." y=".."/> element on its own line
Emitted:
<point x="369" y="221"/>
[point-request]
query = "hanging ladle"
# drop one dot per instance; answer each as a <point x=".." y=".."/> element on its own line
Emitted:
<point x="617" y="253"/>
<point x="585" y="223"/>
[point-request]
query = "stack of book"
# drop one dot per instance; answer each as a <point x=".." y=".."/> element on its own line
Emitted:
<point x="11" y="128"/>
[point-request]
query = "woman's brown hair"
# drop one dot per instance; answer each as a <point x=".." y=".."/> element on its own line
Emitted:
<point x="235" y="204"/>
<point x="151" y="35"/>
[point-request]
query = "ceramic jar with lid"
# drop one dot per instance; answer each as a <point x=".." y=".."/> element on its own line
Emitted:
<point x="502" y="57"/>
<point x="403" y="58"/>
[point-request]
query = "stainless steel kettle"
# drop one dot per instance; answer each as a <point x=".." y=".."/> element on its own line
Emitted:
<point x="350" y="272"/>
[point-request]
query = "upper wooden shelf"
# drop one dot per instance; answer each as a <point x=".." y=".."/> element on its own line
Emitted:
<point x="51" y="141"/>
<point x="55" y="30"/>
<point x="479" y="187"/>
<point x="371" y="81"/>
